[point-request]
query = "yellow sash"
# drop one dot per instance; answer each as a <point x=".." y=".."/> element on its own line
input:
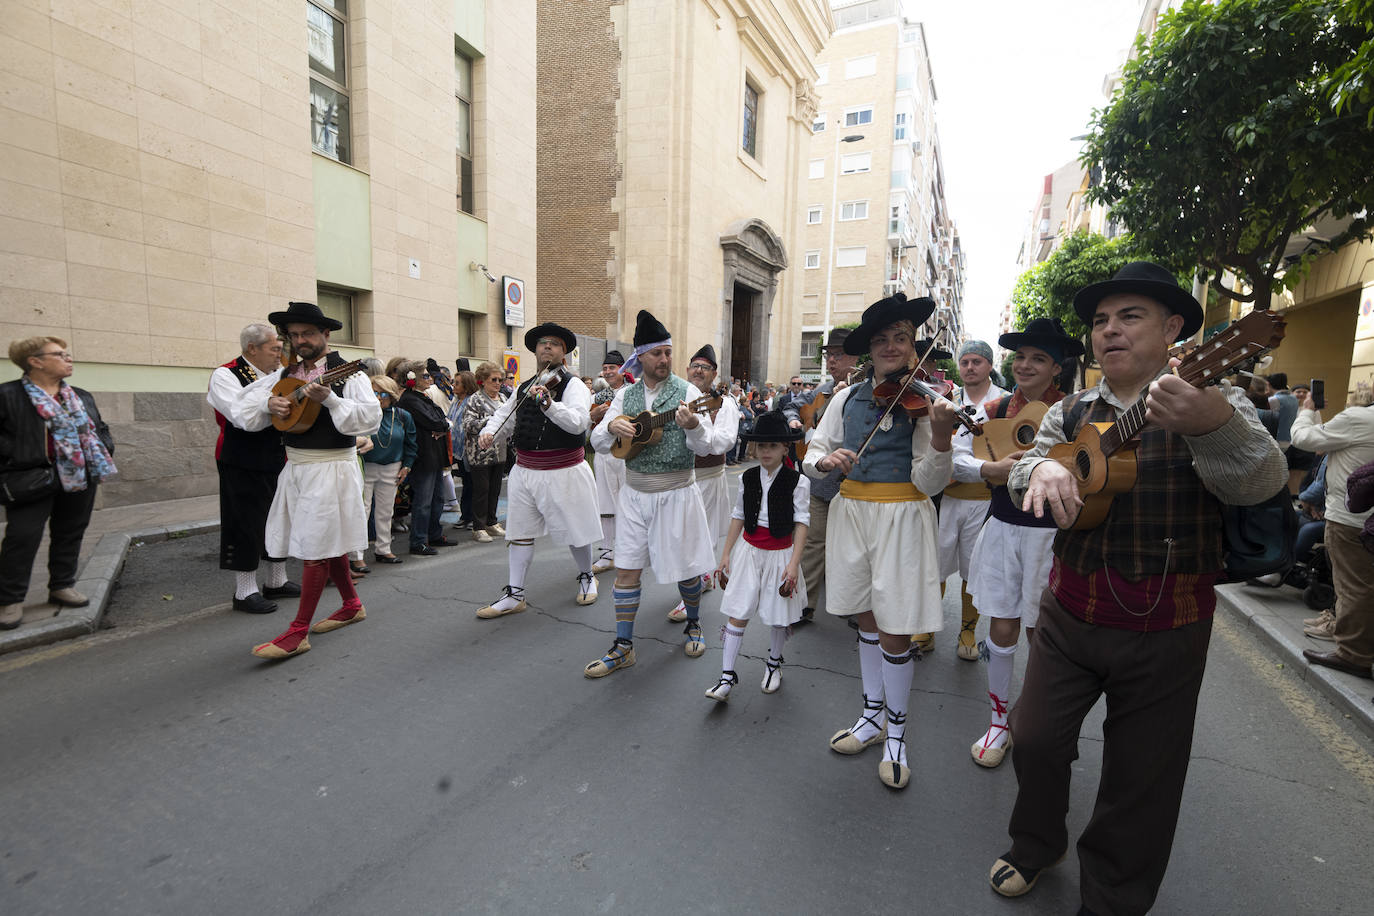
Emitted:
<point x="974" y="491"/>
<point x="873" y="492"/>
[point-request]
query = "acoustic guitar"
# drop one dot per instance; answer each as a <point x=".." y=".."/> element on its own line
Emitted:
<point x="1002" y="437"/>
<point x="649" y="425"/>
<point x="304" y="411"/>
<point x="1102" y="455"/>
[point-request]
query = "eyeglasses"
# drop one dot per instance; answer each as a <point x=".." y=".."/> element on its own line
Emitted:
<point x="382" y="394"/>
<point x="60" y="354"/>
<point x="424" y="375"/>
<point x="704" y="367"/>
<point x="796" y="384"/>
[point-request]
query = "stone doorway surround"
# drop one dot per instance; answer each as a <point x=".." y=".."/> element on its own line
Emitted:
<point x="753" y="257"/>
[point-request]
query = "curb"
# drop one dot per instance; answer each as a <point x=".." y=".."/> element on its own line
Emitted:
<point x="97" y="581"/>
<point x="1336" y="687"/>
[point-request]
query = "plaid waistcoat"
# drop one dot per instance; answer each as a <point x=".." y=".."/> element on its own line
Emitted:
<point x="1168" y="501"/>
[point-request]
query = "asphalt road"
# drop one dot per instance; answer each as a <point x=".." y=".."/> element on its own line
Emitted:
<point x="425" y="761"/>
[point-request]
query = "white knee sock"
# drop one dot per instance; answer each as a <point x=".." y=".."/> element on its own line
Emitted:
<point x="776" y="637"/>
<point x="1000" y="662"/>
<point x="582" y="556"/>
<point x="245" y="584"/>
<point x="897" y="672"/>
<point x="276" y="574"/>
<point x="871" y="668"/>
<point x="733" y="638"/>
<point x="608" y="532"/>
<point x="520" y="555"/>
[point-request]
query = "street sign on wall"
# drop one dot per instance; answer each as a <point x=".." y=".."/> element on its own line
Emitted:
<point x="511" y="360"/>
<point x="513" y="292"/>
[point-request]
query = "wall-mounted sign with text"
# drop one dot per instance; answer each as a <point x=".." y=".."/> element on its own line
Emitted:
<point x="513" y="291"/>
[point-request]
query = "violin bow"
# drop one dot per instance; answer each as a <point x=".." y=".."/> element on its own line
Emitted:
<point x="906" y="383"/>
<point x="542" y="378"/>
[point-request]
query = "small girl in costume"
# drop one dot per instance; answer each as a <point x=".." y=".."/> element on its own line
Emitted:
<point x="772" y="511"/>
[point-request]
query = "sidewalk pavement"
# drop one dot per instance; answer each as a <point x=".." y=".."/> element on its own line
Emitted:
<point x="1275" y="614"/>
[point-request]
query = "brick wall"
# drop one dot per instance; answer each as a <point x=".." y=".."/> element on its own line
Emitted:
<point x="578" y="95"/>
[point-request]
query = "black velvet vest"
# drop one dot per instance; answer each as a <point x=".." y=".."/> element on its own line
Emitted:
<point x="780" y="521"/>
<point x="536" y="432"/>
<point x="322" y="434"/>
<point x="259" y="451"/>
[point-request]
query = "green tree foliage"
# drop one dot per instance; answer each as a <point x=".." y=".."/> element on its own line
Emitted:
<point x="1224" y="141"/>
<point x="1352" y="85"/>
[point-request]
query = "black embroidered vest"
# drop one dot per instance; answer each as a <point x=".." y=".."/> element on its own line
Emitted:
<point x="780" y="521"/>
<point x="322" y="433"/>
<point x="1168" y="501"/>
<point x="259" y="451"/>
<point x="536" y="432"/>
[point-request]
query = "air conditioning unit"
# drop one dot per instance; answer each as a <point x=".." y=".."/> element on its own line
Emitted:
<point x="916" y="147"/>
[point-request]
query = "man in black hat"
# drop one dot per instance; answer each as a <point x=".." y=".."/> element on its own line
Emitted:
<point x="317" y="512"/>
<point x="661" y="521"/>
<point x="710" y="469"/>
<point x="1128" y="610"/>
<point x="248" y="465"/>
<point x="610" y="470"/>
<point x="881" y="543"/>
<point x="840" y="365"/>
<point x="551" y="487"/>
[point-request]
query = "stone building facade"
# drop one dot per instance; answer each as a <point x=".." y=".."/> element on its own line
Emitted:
<point x="874" y="215"/>
<point x="176" y="171"/>
<point x="672" y="134"/>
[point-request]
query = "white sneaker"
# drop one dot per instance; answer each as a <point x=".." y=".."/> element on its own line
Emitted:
<point x="678" y="614"/>
<point x="496" y="531"/>
<point x="586" y="588"/>
<point x="481" y="536"/>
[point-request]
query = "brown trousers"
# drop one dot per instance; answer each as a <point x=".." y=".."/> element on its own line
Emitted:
<point x="1352" y="574"/>
<point x="1151" y="681"/>
<point x="813" y="554"/>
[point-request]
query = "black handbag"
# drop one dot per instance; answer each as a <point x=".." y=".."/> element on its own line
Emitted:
<point x="1260" y="539"/>
<point x="24" y="486"/>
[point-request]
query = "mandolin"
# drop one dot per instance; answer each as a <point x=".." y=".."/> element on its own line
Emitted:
<point x="304" y="411"/>
<point x="1102" y="456"/>
<point x="649" y="425"/>
<point x="1002" y="437"/>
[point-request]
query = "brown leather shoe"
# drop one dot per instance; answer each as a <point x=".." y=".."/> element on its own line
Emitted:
<point x="1333" y="659"/>
<point x="11" y="615"/>
<point x="68" y="597"/>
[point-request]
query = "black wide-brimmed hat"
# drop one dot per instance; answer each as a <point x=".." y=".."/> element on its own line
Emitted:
<point x="649" y="329"/>
<point x="304" y="313"/>
<point x="772" y="427"/>
<point x="883" y="313"/>
<point x="613" y="358"/>
<point x="940" y="352"/>
<point x="837" y="338"/>
<point x="707" y="353"/>
<point x="549" y="329"/>
<point x="1147" y="279"/>
<point x="1048" y="335"/>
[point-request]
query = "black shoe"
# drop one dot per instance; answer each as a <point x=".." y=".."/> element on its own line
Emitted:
<point x="285" y="590"/>
<point x="254" y="604"/>
<point x="808" y="616"/>
<point x="442" y="541"/>
<point x="464" y="524"/>
<point x="387" y="558"/>
<point x="424" y="551"/>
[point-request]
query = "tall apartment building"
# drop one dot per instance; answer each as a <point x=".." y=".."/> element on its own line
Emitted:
<point x="672" y="134"/>
<point x="876" y="220"/>
<point x="175" y="171"/>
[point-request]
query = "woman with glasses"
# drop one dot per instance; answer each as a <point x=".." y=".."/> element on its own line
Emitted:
<point x="387" y="464"/>
<point x="54" y="449"/>
<point x="432" y="454"/>
<point x="485" y="465"/>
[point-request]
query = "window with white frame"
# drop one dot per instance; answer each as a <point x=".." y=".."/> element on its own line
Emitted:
<point x="857" y="117"/>
<point x="854" y="209"/>
<point x="857" y="67"/>
<point x="813" y="259"/>
<point x="817" y="169"/>
<point x="899" y="130"/>
<point x="818" y="125"/>
<point x="855" y="163"/>
<point x="810" y="348"/>
<point x="851" y="257"/>
<point x="326" y="23"/>
<point x="822" y="74"/>
<point x="813" y="215"/>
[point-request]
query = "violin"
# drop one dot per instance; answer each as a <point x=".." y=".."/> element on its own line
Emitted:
<point x="554" y="375"/>
<point x="913" y="393"/>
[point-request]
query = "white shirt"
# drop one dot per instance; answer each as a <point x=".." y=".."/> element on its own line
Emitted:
<point x="1347" y="439"/>
<point x="968" y="469"/>
<point x="699" y="440"/>
<point x="801" y="498"/>
<point x="356" y="413"/>
<point x="725" y="426"/>
<point x="570" y="413"/>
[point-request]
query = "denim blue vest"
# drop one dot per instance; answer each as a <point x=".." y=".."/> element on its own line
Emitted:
<point x="888" y="458"/>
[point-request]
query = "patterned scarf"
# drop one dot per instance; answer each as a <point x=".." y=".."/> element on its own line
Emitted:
<point x="77" y="448"/>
